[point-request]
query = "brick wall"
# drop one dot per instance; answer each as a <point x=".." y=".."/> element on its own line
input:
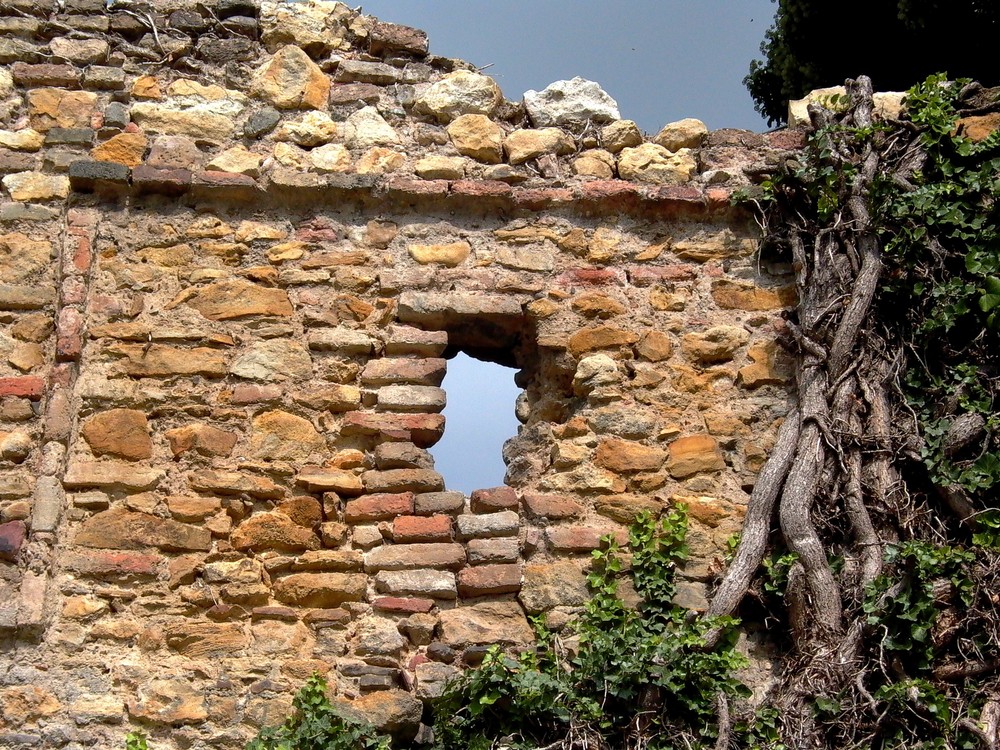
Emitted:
<point x="239" y="243"/>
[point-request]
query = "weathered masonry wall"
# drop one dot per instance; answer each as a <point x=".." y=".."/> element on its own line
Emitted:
<point x="238" y="244"/>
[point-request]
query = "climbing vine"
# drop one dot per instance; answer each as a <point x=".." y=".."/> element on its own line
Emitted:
<point x="883" y="482"/>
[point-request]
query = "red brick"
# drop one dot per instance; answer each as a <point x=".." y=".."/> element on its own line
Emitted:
<point x="381" y="507"/>
<point x="580" y="538"/>
<point x="69" y="335"/>
<point x="481" y="188"/>
<point x="403" y="480"/>
<point x="554" y="507"/>
<point x="101" y="563"/>
<point x="415" y="556"/>
<point x="403" y="605"/>
<point x="212" y="178"/>
<point x="676" y="194"/>
<point x="422" y="429"/>
<point x="394" y="370"/>
<point x="29" y="386"/>
<point x="494" y="498"/>
<point x="422" y="529"/>
<point x="489" y="580"/>
<point x="80" y="247"/>
<point x="403" y="186"/>
<point x="536" y="199"/>
<point x="605" y="189"/>
<point x="648" y="276"/>
<point x="146" y="179"/>
<point x="73" y="291"/>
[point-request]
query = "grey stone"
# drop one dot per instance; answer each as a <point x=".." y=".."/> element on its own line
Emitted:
<point x="427" y="503"/>
<point x="572" y="102"/>
<point x="437" y="584"/>
<point x="116" y="115"/>
<point x="262" y="122"/>
<point x="504" y="523"/>
<point x="411" y="398"/>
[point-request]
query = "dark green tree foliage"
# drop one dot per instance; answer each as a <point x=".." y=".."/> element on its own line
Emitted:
<point x="897" y="43"/>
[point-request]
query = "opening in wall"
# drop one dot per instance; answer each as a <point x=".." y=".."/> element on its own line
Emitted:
<point x="480" y="417"/>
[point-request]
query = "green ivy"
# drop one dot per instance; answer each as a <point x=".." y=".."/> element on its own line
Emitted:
<point x="316" y="725"/>
<point x="642" y="676"/>
<point x="902" y="606"/>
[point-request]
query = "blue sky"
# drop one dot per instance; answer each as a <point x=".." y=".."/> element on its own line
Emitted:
<point x="662" y="60"/>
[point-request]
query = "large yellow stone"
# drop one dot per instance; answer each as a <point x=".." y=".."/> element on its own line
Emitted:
<point x="522" y="145"/>
<point x="736" y="295"/>
<point x="694" y="454"/>
<point x="55" y="108"/>
<point x="450" y="254"/>
<point x="654" y="164"/>
<point x="124" y="148"/>
<point x="290" y="80"/>
<point x="280" y="436"/>
<point x="599" y="337"/>
<point x="478" y="137"/>
<point x="36" y="186"/>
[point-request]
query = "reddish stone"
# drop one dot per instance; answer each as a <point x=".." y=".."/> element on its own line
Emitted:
<point x="422" y="529"/>
<point x="253" y="394"/>
<point x="719" y="198"/>
<point x="101" y="564"/>
<point x="424" y="430"/>
<point x="349" y="93"/>
<point x="489" y="580"/>
<point x="482" y="188"/>
<point x="535" y="199"/>
<point x="552" y="506"/>
<point x="493" y="499"/>
<point x="73" y="291"/>
<point x="29" y="386"/>
<point x="46" y="74"/>
<point x="274" y="613"/>
<point x="787" y="139"/>
<point x="404" y="186"/>
<point x="380" y="507"/>
<point x="327" y="617"/>
<point x="646" y="276"/>
<point x="591" y="277"/>
<point x="12" y="536"/>
<point x="403" y="605"/>
<point x="319" y="229"/>
<point x="580" y="538"/>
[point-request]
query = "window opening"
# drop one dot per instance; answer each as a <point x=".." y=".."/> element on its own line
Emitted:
<point x="479" y="418"/>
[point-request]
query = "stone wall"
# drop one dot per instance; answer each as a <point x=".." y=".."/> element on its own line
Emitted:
<point x="239" y="244"/>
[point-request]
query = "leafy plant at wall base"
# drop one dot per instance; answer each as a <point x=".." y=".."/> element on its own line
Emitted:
<point x="641" y="677"/>
<point x="135" y="740"/>
<point x="316" y="725"/>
